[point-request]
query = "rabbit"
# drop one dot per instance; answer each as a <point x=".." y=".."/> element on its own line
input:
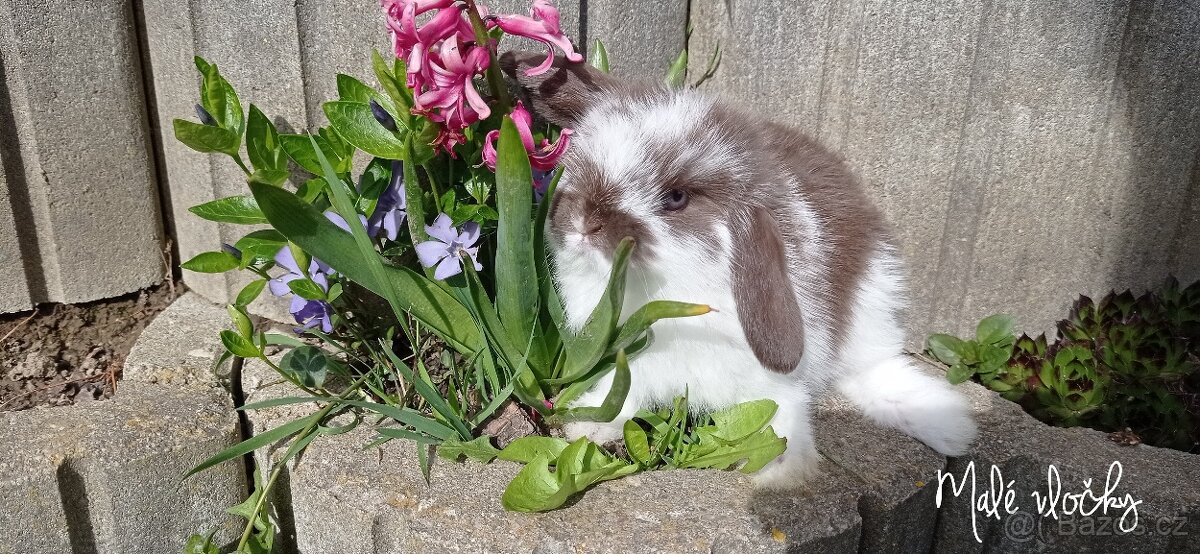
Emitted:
<point x="752" y="218"/>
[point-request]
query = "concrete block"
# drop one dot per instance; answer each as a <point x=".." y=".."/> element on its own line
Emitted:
<point x="260" y="58"/>
<point x="79" y="176"/>
<point x="893" y="471"/>
<point x="348" y="500"/>
<point x="14" y="291"/>
<point x="105" y="476"/>
<point x="1025" y="151"/>
<point x="180" y="346"/>
<point x="1162" y="481"/>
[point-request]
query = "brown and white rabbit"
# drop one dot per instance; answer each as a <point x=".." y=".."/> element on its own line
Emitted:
<point x="754" y="219"/>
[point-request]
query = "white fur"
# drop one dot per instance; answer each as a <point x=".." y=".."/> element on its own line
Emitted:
<point x="708" y="357"/>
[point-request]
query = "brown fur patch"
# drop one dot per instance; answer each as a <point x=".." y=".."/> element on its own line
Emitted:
<point x="594" y="199"/>
<point x="767" y="309"/>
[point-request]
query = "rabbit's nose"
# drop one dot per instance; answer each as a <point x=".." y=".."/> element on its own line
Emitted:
<point x="592" y="227"/>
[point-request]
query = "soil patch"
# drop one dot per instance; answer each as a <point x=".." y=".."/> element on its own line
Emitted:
<point x="65" y="353"/>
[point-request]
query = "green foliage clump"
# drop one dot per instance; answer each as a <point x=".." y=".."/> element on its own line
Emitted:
<point x="1124" y="362"/>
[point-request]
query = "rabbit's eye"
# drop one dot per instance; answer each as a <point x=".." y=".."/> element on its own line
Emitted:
<point x="675" y="199"/>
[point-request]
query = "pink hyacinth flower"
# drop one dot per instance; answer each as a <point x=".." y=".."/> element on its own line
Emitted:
<point x="543" y="27"/>
<point x="451" y="98"/>
<point x="544" y="158"/>
<point x="413" y="43"/>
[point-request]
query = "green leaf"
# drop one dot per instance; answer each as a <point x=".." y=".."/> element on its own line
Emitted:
<point x="242" y="210"/>
<point x="598" y="58"/>
<point x="263" y="244"/>
<point x="299" y="148"/>
<point x="579" y="466"/>
<point x="206" y="138"/>
<point x="992" y="358"/>
<point x="428" y="393"/>
<point x="307" y="364"/>
<point x="259" y="440"/>
<point x="959" y="373"/>
<point x="677" y="73"/>
<point x="250" y="292"/>
<point x="241" y="322"/>
<point x="479" y="449"/>
<point x="946" y="348"/>
<point x="549" y="294"/>
<point x="262" y="144"/>
<point x="200" y="544"/>
<point x="211" y="262"/>
<point x="239" y="345"/>
<point x="306" y="289"/>
<point x="613" y="401"/>
<point x="587" y="347"/>
<point x="415" y="294"/>
<point x="742" y="420"/>
<point x="994" y="329"/>
<point x="405" y="415"/>
<point x="393" y="83"/>
<point x="219" y="98"/>
<point x="640" y="321"/>
<point x="637" y="443"/>
<point x="268" y="176"/>
<point x="527" y="449"/>
<point x="516" y="275"/>
<point x="284" y="401"/>
<point x="355" y="122"/>
<point x="757" y="451"/>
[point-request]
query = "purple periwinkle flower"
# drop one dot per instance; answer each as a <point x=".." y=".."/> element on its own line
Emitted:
<point x="205" y="117"/>
<point x="448" y="247"/>
<point x="541" y="183"/>
<point x="340" y="221"/>
<point x="390" y="211"/>
<point x="383" y="117"/>
<point x="308" y="313"/>
<point x="231" y="250"/>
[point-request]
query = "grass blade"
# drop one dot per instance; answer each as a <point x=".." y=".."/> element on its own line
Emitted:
<point x="253" y="443"/>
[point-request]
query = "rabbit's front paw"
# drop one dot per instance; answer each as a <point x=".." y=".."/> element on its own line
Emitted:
<point x="598" y="432"/>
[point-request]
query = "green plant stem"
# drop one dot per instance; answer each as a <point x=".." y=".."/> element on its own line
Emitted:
<point x="241" y="164"/>
<point x="262" y="499"/>
<point x="433" y="186"/>
<point x="495" y="79"/>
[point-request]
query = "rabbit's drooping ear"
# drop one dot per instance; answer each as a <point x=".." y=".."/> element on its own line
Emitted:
<point x="766" y="301"/>
<point x="563" y="92"/>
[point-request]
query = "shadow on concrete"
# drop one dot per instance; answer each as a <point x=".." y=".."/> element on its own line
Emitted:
<point x="1158" y="79"/>
<point x="18" y="194"/>
<point x="73" y="492"/>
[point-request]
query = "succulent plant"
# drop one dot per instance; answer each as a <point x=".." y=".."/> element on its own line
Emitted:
<point x="1123" y="362"/>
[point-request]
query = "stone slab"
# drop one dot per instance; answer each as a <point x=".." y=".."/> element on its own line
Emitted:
<point x="106" y="476"/>
<point x="78" y="169"/>
<point x="348" y="500"/>
<point x="180" y="346"/>
<point x="1163" y="481"/>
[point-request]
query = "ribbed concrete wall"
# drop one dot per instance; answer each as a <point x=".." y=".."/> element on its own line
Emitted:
<point x="284" y="58"/>
<point x="1026" y="151"/>
<point x="79" y="217"/>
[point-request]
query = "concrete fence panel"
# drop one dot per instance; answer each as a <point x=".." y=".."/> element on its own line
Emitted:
<point x="1026" y="151"/>
<point x="79" y="215"/>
